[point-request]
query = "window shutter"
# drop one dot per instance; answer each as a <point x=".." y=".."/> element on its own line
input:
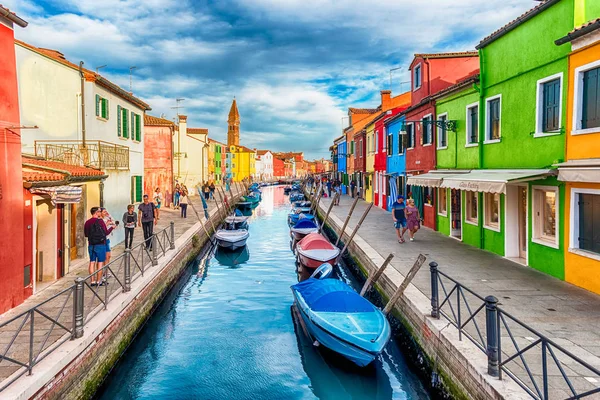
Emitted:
<point x="97" y="105"/>
<point x="591" y="99"/>
<point x="132" y="125"/>
<point x="133" y="182"/>
<point x="139" y="189"/>
<point x="138" y="127"/>
<point x="423" y="131"/>
<point x="105" y="108"/>
<point x="125" y="123"/>
<point x="119" y="120"/>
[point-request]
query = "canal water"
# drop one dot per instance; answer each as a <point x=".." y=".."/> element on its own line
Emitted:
<point x="226" y="331"/>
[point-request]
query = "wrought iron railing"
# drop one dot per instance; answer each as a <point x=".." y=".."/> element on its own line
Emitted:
<point x="94" y="153"/>
<point x="539" y="365"/>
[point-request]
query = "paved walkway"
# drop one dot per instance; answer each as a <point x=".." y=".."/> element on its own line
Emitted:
<point x="564" y="313"/>
<point x="43" y="327"/>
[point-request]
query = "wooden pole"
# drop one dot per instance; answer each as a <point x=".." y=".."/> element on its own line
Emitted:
<point x="218" y="208"/>
<point x="225" y="201"/>
<point x="409" y="277"/>
<point x="315" y="205"/>
<point x="200" y="220"/>
<point x="362" y="218"/>
<point x="371" y="280"/>
<point x="346" y="222"/>
<point x="328" y="211"/>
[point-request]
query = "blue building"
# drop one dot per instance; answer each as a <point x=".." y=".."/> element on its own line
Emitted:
<point x="342" y="171"/>
<point x="396" y="156"/>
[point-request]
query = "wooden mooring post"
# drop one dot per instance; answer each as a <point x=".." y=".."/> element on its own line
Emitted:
<point x="314" y="207"/>
<point x="356" y="228"/>
<point x="371" y="280"/>
<point x="346" y="222"/>
<point x="201" y="223"/>
<point x="409" y="277"/>
<point x="328" y="211"/>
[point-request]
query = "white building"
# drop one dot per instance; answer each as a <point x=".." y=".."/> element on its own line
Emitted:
<point x="264" y="165"/>
<point x="193" y="155"/>
<point x="107" y="137"/>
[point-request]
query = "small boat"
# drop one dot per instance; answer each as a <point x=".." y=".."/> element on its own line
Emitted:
<point x="252" y="198"/>
<point x="244" y="206"/>
<point x="231" y="239"/>
<point x="304" y="227"/>
<point x="296" y="197"/>
<point x="232" y="258"/>
<point x="302" y="203"/>
<point x="338" y="318"/>
<point x="293" y="218"/>
<point x="237" y="221"/>
<point x="315" y="250"/>
<point x="303" y="210"/>
<point x="287" y="190"/>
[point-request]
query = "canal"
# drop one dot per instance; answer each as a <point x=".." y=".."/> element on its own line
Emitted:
<point x="226" y="331"/>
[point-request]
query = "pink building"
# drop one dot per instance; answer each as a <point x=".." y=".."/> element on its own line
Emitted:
<point x="158" y="157"/>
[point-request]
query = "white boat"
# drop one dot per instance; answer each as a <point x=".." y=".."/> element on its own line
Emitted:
<point x="231" y="239"/>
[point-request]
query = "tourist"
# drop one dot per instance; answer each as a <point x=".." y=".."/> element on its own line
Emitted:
<point x="176" y="194"/>
<point x="352" y="187"/>
<point x="211" y="187"/>
<point x="95" y="231"/>
<point x="399" y="217"/>
<point x="147" y="218"/>
<point x="413" y="218"/>
<point x="206" y="191"/>
<point x="129" y="222"/>
<point x="338" y="192"/>
<point x="110" y="223"/>
<point x="183" y="203"/>
<point x="329" y="188"/>
<point x="158" y="198"/>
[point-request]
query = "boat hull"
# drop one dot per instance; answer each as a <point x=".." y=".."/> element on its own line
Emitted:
<point x="312" y="263"/>
<point x="231" y="245"/>
<point x="300" y="234"/>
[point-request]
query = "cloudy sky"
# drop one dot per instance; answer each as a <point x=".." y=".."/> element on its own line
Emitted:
<point x="294" y="66"/>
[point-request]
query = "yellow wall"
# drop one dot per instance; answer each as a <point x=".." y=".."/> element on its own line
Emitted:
<point x="245" y="163"/>
<point x="370" y="161"/>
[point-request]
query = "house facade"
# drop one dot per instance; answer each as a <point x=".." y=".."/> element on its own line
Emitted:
<point x="158" y="157"/>
<point x="216" y="160"/>
<point x="360" y="161"/>
<point x="193" y="157"/>
<point x="278" y="168"/>
<point x="264" y="165"/>
<point x="391" y="163"/>
<point x="369" y="162"/>
<point x="342" y="161"/>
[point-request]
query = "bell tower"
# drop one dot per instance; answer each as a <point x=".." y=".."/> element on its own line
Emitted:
<point x="233" y="131"/>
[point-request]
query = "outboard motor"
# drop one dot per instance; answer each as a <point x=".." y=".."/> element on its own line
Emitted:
<point x="323" y="272"/>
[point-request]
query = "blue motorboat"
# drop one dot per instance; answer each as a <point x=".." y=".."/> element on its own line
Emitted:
<point x="338" y="318"/>
<point x="303" y="227"/>
<point x="293" y="218"/>
<point x="295" y="196"/>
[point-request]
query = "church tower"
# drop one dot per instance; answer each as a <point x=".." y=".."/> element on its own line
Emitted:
<point x="233" y="132"/>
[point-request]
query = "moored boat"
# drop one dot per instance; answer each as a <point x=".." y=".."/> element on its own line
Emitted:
<point x="293" y="218"/>
<point x="231" y="239"/>
<point x="314" y="249"/>
<point x="304" y="227"/>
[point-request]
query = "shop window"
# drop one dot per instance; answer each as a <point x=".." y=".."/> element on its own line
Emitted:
<point x="442" y="202"/>
<point x="545" y="215"/>
<point x="428" y="195"/>
<point x="491" y="205"/>
<point x="471" y="210"/>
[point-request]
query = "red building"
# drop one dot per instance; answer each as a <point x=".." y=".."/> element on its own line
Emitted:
<point x="15" y="263"/>
<point x="360" y="157"/>
<point x="158" y="156"/>
<point x="430" y="73"/>
<point x="278" y="168"/>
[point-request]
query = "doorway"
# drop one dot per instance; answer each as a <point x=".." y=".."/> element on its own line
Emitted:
<point x="455" y="214"/>
<point x="517" y="218"/>
<point x="522" y="210"/>
<point x="60" y="240"/>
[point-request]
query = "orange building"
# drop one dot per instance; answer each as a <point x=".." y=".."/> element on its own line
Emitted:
<point x="158" y="156"/>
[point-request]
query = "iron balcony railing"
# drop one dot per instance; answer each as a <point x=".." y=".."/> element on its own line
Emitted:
<point x="93" y="153"/>
<point x="540" y="366"/>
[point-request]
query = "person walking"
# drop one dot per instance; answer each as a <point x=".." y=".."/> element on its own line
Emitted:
<point x="158" y="198"/>
<point x="129" y="222"/>
<point x="147" y="218"/>
<point x="206" y="191"/>
<point x="211" y="187"/>
<point x="183" y="203"/>
<point x="329" y="188"/>
<point x="399" y="217"/>
<point x="176" y="194"/>
<point x="338" y="191"/>
<point x="352" y="187"/>
<point x="110" y="223"/>
<point x="95" y="231"/>
<point x="413" y="217"/>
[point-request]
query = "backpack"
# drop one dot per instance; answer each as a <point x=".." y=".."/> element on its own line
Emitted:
<point x="96" y="235"/>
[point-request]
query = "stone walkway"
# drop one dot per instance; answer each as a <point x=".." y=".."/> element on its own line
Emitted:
<point x="61" y="306"/>
<point x="566" y="314"/>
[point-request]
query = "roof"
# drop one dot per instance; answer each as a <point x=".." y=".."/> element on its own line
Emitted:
<point x="544" y="4"/>
<point x="244" y="149"/>
<point x="262" y="152"/>
<point x="233" y="112"/>
<point x="150" y="120"/>
<point x="197" y="131"/>
<point x="363" y="110"/>
<point x="465" y="82"/>
<point x="90" y="76"/>
<point x="210" y="140"/>
<point x="579" y="32"/>
<point x="38" y="170"/>
<point x="11" y="16"/>
<point x="456" y="54"/>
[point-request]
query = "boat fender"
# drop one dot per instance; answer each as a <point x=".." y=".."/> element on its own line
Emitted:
<point x="316" y="343"/>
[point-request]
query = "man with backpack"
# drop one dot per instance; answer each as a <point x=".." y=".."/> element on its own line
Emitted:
<point x="96" y="231"/>
<point x="147" y="218"/>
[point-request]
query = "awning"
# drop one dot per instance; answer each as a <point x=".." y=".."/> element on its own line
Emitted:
<point x="493" y="180"/>
<point x="433" y="178"/>
<point x="579" y="171"/>
<point x="60" y="194"/>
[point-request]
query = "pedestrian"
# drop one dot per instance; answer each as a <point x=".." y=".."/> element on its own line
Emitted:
<point x="206" y="191"/>
<point x="183" y="203"/>
<point x="147" y="218"/>
<point x="129" y="222"/>
<point x="399" y="217"/>
<point x="338" y="191"/>
<point x="95" y="231"/>
<point x="352" y="187"/>
<point x="212" y="188"/>
<point x="413" y="217"/>
<point x="110" y="223"/>
<point x="176" y="194"/>
<point x="158" y="198"/>
<point x="329" y="188"/>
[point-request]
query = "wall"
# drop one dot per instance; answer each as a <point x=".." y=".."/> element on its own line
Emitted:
<point x="192" y="166"/>
<point x="46" y="240"/>
<point x="158" y="161"/>
<point x="421" y="157"/>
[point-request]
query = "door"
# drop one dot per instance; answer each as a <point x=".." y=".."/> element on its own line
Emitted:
<point x="522" y="210"/>
<point x="73" y="233"/>
<point x="455" y="214"/>
<point x="60" y="214"/>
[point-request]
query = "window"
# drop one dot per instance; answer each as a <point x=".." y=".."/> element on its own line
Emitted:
<point x="390" y="144"/>
<point x="442" y="132"/>
<point x="122" y="122"/>
<point x="548" y="105"/>
<point x="442" y="201"/>
<point x="472" y="124"/>
<point x="427" y="136"/>
<point x="493" y="119"/>
<point x="587" y="209"/>
<point x="590" y="102"/>
<point x="360" y="148"/>
<point x="352" y="147"/>
<point x="137" y="189"/>
<point x="428" y="195"/>
<point x="545" y="214"/>
<point x="491" y="210"/>
<point x="410" y="136"/>
<point x="101" y="107"/>
<point x="417" y="77"/>
<point x="471" y="207"/>
<point x="400" y="144"/>
<point x="376" y="142"/>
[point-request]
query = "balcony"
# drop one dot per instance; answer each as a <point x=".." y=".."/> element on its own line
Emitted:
<point x="94" y="153"/>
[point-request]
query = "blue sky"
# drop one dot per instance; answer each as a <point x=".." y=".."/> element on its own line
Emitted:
<point x="295" y="66"/>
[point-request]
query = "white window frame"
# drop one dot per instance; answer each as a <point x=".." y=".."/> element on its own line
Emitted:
<point x="414" y="136"/>
<point x="574" y="224"/>
<point x="467" y="208"/>
<point x="377" y="142"/>
<point x="578" y="99"/>
<point x="443" y="213"/>
<point x="537" y="235"/>
<point x="430" y="115"/>
<point x="468" y="126"/>
<point x="437" y="131"/>
<point x="485" y="225"/>
<point x="487" y="139"/>
<point x="420" y="67"/>
<point x="539" y="102"/>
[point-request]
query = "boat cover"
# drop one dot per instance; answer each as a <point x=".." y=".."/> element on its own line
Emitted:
<point x="305" y="223"/>
<point x="238" y="213"/>
<point x="331" y="295"/>
<point x="316" y="241"/>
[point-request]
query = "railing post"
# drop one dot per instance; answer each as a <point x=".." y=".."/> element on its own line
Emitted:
<point x="127" y="271"/>
<point x="78" y="309"/>
<point x="31" y="336"/>
<point x="435" y="300"/>
<point x="154" y="250"/>
<point x="491" y="326"/>
<point x="172" y="241"/>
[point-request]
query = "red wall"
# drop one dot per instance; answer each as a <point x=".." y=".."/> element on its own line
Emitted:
<point x="278" y="167"/>
<point x="158" y="164"/>
<point x="421" y="158"/>
<point x="11" y="179"/>
<point x="360" y="161"/>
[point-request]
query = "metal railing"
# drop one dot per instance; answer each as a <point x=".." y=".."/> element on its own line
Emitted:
<point x="94" y="153"/>
<point x="539" y="365"/>
<point x="29" y="337"/>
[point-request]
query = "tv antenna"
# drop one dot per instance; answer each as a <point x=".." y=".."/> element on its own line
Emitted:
<point x="178" y="106"/>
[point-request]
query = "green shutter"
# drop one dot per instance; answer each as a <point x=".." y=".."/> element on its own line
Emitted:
<point x="132" y="190"/>
<point x="119" y="121"/>
<point x="105" y="108"/>
<point x="125" y="124"/>
<point x="138" y="189"/>
<point x="133" y="126"/>
<point x="138" y="127"/>
<point x="97" y="105"/>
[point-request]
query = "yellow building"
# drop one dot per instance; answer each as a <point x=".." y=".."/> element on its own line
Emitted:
<point x="581" y="170"/>
<point x="370" y="162"/>
<point x="242" y="162"/>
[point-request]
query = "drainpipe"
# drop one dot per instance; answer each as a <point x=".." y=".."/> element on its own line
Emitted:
<point x="482" y="73"/>
<point x="82" y="103"/>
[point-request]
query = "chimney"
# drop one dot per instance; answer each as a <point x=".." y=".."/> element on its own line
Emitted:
<point x="386" y="100"/>
<point x="183" y="125"/>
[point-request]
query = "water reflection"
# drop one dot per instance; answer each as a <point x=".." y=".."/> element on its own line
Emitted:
<point x="234" y="258"/>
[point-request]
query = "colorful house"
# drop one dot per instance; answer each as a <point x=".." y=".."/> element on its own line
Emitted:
<point x="278" y="168"/>
<point x="216" y="160"/>
<point x="241" y="163"/>
<point x="341" y="146"/>
<point x="369" y="162"/>
<point x="390" y="163"/>
<point x="581" y="170"/>
<point x="264" y="165"/>
<point x="193" y="157"/>
<point x="359" y="161"/>
<point x="158" y="156"/>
